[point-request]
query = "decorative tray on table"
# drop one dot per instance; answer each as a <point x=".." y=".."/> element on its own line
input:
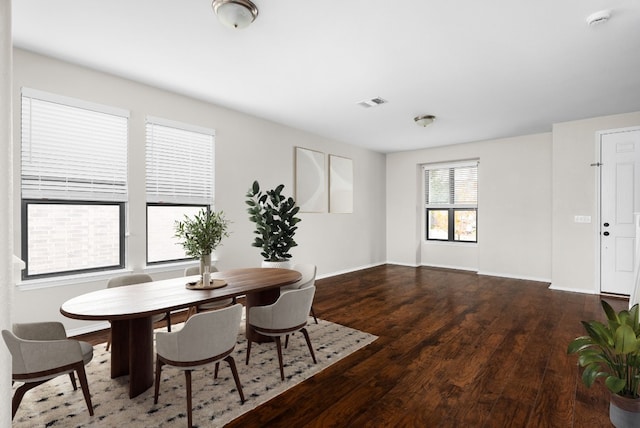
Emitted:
<point x="198" y="285"/>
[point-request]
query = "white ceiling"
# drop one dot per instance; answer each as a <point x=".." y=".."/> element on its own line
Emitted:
<point x="487" y="69"/>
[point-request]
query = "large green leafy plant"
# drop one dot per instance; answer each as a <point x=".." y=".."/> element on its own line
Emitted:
<point x="611" y="351"/>
<point x="201" y="234"/>
<point x="275" y="217"/>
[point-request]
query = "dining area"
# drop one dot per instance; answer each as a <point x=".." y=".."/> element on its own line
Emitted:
<point x="227" y="312"/>
<point x="279" y="300"/>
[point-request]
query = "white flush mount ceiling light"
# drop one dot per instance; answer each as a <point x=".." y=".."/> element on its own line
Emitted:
<point x="235" y="13"/>
<point x="599" y="17"/>
<point x="424" y="120"/>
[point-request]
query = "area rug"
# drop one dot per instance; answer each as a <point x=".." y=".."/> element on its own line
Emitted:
<point x="215" y="402"/>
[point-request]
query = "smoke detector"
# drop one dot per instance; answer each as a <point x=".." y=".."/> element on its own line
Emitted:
<point x="599" y="17"/>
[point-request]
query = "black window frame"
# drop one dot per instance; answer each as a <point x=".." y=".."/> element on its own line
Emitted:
<point x="25" y="237"/>
<point x="450" y="224"/>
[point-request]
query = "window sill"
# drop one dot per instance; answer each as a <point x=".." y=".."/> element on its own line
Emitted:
<point x="452" y="243"/>
<point x="57" y="281"/>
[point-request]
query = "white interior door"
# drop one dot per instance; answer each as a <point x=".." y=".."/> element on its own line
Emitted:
<point x="619" y="199"/>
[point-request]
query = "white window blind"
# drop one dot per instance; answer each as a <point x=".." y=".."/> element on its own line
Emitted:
<point x="451" y="185"/>
<point x="180" y="163"/>
<point x="72" y="150"/>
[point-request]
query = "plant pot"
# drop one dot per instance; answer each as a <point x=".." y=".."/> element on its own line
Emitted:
<point x="284" y="264"/>
<point x="205" y="260"/>
<point x="624" y="412"/>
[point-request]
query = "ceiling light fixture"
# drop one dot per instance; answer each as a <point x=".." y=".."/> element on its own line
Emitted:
<point x="424" y="120"/>
<point x="235" y="13"/>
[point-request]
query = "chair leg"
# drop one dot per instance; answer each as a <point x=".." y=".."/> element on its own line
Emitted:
<point x="159" y="365"/>
<point x="215" y="371"/>
<point x="286" y="341"/>
<point x="168" y="315"/>
<point x="73" y="381"/>
<point x="279" y="348"/>
<point x="232" y="364"/>
<point x="191" y="312"/>
<point x="248" y="350"/>
<point x="314" y="315"/>
<point x="306" y="336"/>
<point x="82" y="376"/>
<point x="17" y="397"/>
<point x="187" y="376"/>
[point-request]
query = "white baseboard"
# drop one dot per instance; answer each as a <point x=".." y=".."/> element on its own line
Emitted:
<point x="402" y="264"/>
<point x="573" y="290"/>
<point x="507" y="275"/>
<point x="465" y="268"/>
<point x="355" y="269"/>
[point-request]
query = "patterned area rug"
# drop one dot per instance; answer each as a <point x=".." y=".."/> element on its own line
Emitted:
<point x="215" y="402"/>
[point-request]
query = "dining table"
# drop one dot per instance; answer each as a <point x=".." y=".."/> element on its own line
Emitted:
<point x="130" y="310"/>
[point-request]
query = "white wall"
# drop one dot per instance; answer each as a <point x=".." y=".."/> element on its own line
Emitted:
<point x="574" y="248"/>
<point x="514" y="208"/>
<point x="247" y="148"/>
<point x="6" y="195"/>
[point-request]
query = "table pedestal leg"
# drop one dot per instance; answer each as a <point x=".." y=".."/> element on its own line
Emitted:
<point x="132" y="353"/>
<point x="140" y="356"/>
<point x="262" y="298"/>
<point x="119" y="348"/>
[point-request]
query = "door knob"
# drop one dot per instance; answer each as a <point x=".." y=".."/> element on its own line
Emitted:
<point x="606" y="233"/>
<point x="606" y="225"/>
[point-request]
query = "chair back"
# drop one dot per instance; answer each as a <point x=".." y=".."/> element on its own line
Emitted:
<point x="290" y="310"/>
<point x="35" y="356"/>
<point x="130" y="279"/>
<point x="308" y="272"/>
<point x="13" y="343"/>
<point x="203" y="336"/>
<point x="51" y="330"/>
<point x="195" y="270"/>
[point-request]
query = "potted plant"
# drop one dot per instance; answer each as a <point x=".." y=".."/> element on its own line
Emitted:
<point x="612" y="351"/>
<point x="201" y="234"/>
<point x="275" y="217"/>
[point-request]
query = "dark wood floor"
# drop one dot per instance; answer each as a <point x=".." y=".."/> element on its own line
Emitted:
<point x="455" y="350"/>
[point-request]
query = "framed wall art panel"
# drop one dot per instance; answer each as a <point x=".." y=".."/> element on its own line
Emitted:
<point x="310" y="190"/>
<point x="340" y="184"/>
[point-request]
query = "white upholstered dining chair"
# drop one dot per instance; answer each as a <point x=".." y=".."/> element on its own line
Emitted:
<point x="205" y="339"/>
<point x="41" y="351"/>
<point x="286" y="316"/>
<point x="308" y="272"/>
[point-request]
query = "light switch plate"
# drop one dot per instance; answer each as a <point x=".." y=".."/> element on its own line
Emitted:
<point x="582" y="219"/>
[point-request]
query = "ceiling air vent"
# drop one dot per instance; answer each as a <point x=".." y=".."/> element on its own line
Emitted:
<point x="372" y="102"/>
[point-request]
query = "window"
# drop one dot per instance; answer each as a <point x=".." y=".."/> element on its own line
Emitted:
<point x="180" y="181"/>
<point x="162" y="246"/>
<point x="451" y="202"/>
<point x="73" y="185"/>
